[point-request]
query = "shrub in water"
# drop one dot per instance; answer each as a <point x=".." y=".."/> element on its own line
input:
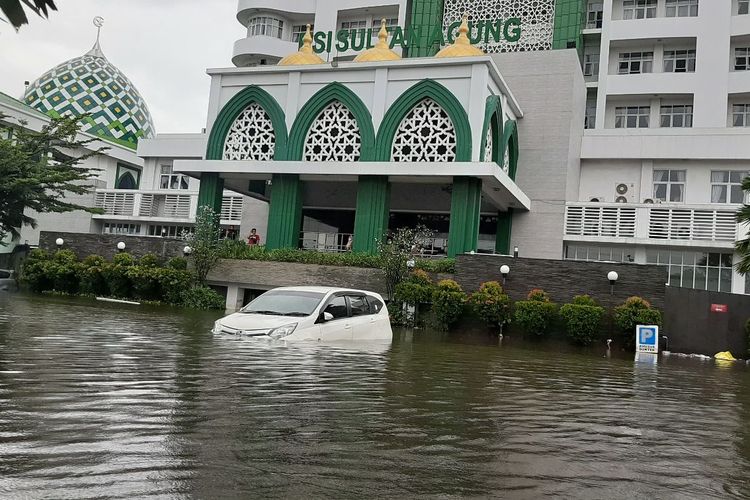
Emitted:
<point x="173" y="284"/>
<point x="34" y="272"/>
<point x="202" y="297"/>
<point x="634" y="311"/>
<point x="491" y="304"/>
<point x="64" y="270"/>
<point x="582" y="319"/>
<point x="92" y="277"/>
<point x="416" y="289"/>
<point x="116" y="275"/>
<point x="448" y="303"/>
<point x="145" y="281"/>
<point x="536" y="314"/>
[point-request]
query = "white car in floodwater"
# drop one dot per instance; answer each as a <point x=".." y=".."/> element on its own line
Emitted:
<point x="311" y="313"/>
<point x="7" y="280"/>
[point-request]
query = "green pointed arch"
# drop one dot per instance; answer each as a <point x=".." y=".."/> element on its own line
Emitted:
<point x="232" y="110"/>
<point x="510" y="147"/>
<point x="399" y="109"/>
<point x="493" y="113"/>
<point x="332" y="92"/>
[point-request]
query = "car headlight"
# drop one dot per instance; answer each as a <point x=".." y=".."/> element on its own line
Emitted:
<point x="282" y="331"/>
<point x="217" y="326"/>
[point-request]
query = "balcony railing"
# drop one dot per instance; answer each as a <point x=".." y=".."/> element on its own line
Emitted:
<point x="180" y="206"/>
<point x="650" y="223"/>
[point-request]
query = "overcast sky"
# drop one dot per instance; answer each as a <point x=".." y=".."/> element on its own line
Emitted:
<point x="163" y="46"/>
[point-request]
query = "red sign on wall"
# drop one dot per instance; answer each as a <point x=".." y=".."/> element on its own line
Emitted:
<point x="719" y="308"/>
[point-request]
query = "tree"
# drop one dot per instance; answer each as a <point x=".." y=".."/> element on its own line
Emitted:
<point x="204" y="242"/>
<point x="397" y="249"/>
<point x="14" y="11"/>
<point x="37" y="171"/>
<point x="743" y="246"/>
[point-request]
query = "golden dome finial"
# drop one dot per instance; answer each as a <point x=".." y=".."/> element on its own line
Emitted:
<point x="305" y="55"/>
<point x="381" y="51"/>
<point x="462" y="46"/>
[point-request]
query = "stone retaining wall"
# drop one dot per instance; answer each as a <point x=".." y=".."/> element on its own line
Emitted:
<point x="84" y="244"/>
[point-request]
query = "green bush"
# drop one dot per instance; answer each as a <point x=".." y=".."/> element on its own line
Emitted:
<point x="92" y="277"/>
<point x="447" y="266"/>
<point x="491" y="304"/>
<point x="202" y="297"/>
<point x="34" y="272"/>
<point x="634" y="311"/>
<point x="64" y="270"/>
<point x="536" y="314"/>
<point x="179" y="263"/>
<point x="747" y="331"/>
<point x="173" y="284"/>
<point x="582" y="319"/>
<point x="116" y="276"/>
<point x="448" y="303"/>
<point x="145" y="281"/>
<point x="416" y="289"/>
<point x="149" y="260"/>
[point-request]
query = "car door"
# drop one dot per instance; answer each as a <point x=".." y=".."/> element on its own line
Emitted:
<point x="361" y="318"/>
<point x="340" y="327"/>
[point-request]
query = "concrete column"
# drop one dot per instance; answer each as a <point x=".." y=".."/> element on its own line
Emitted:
<point x="373" y="209"/>
<point x="211" y="191"/>
<point x="466" y="200"/>
<point x="284" y="212"/>
<point x="235" y="295"/>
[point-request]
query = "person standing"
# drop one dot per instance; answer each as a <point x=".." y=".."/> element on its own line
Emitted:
<point x="253" y="238"/>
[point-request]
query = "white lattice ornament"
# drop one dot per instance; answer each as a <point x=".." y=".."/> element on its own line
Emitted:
<point x="333" y="136"/>
<point x="537" y="21"/>
<point x="426" y="134"/>
<point x="488" y="145"/>
<point x="251" y="136"/>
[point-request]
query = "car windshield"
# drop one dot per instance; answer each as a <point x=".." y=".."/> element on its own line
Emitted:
<point x="285" y="303"/>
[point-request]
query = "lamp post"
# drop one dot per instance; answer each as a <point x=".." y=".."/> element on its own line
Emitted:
<point x="187" y="251"/>
<point x="504" y="270"/>
<point x="121" y="246"/>
<point x="410" y="264"/>
<point x="59" y="242"/>
<point x="612" y="276"/>
<point x="515" y="252"/>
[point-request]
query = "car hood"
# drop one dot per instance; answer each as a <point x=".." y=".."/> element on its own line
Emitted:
<point x="249" y="321"/>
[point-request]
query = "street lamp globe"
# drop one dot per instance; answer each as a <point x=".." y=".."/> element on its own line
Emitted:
<point x="612" y="276"/>
<point x="59" y="242"/>
<point x="187" y="250"/>
<point x="121" y="246"/>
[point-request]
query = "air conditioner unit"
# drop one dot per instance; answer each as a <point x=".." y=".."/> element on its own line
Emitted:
<point x="621" y="199"/>
<point x="623" y="188"/>
<point x="648" y="200"/>
<point x="598" y="199"/>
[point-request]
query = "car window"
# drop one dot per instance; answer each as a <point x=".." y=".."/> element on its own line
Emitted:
<point x="285" y="302"/>
<point x="375" y="305"/>
<point x="337" y="307"/>
<point x="359" y="305"/>
<point x="4" y="274"/>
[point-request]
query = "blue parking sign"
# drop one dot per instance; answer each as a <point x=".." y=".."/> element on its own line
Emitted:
<point x="647" y="338"/>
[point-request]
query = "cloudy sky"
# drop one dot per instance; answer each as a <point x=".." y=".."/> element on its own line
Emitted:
<point x="163" y="46"/>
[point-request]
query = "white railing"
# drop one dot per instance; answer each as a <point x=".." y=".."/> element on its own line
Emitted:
<point x="325" y="242"/>
<point x="650" y="222"/>
<point x="162" y="205"/>
<point x="115" y="203"/>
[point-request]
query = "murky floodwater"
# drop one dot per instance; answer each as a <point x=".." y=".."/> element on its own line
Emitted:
<point x="100" y="400"/>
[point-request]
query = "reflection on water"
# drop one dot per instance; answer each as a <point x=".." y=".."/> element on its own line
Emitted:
<point x="105" y="400"/>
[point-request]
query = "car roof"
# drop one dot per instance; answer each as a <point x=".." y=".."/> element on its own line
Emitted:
<point x="324" y="289"/>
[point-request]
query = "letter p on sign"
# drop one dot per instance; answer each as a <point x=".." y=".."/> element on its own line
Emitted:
<point x="647" y="338"/>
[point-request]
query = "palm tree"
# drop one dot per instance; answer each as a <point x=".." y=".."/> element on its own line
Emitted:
<point x="14" y="11"/>
<point x="743" y="246"/>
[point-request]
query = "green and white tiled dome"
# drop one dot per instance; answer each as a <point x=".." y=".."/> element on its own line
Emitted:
<point x="91" y="84"/>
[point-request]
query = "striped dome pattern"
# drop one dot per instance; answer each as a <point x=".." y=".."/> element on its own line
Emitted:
<point x="91" y="85"/>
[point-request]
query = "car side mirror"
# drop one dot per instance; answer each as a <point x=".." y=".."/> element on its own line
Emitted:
<point x="327" y="316"/>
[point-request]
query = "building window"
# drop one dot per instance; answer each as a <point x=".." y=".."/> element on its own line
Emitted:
<point x="127" y="177"/>
<point x="594" y="14"/>
<point x="701" y="270"/>
<point x="298" y="31"/>
<point x="591" y="65"/>
<point x="677" y="116"/>
<point x="726" y="186"/>
<point x="265" y="25"/>
<point x="599" y="254"/>
<point x="390" y="22"/>
<point x="590" y="117"/>
<point x="679" y="61"/>
<point x="169" y="231"/>
<point x="170" y="180"/>
<point x="743" y="7"/>
<point x="669" y="185"/>
<point x="333" y="136"/>
<point x="742" y="59"/>
<point x="741" y="115"/>
<point x="632" y="117"/>
<point x="426" y="134"/>
<point x="251" y="136"/>
<point x="354" y="25"/>
<point x="117" y="228"/>
<point x="682" y="8"/>
<point x="638" y="9"/>
<point x="635" y="62"/>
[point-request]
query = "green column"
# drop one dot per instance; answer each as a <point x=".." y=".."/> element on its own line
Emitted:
<point x="284" y="212"/>
<point x="373" y="208"/>
<point x="569" y="21"/>
<point x="210" y="192"/>
<point x="466" y="200"/>
<point x="502" y="236"/>
<point x="427" y="19"/>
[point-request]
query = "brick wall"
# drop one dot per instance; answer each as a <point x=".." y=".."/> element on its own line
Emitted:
<point x="84" y="244"/>
<point x="564" y="279"/>
<point x="262" y="275"/>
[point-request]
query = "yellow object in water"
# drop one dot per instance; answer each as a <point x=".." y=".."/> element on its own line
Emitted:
<point x="725" y="356"/>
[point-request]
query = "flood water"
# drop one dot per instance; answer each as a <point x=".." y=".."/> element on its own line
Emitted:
<point x="115" y="401"/>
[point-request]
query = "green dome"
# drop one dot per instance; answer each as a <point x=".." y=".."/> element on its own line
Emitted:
<point x="91" y="84"/>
